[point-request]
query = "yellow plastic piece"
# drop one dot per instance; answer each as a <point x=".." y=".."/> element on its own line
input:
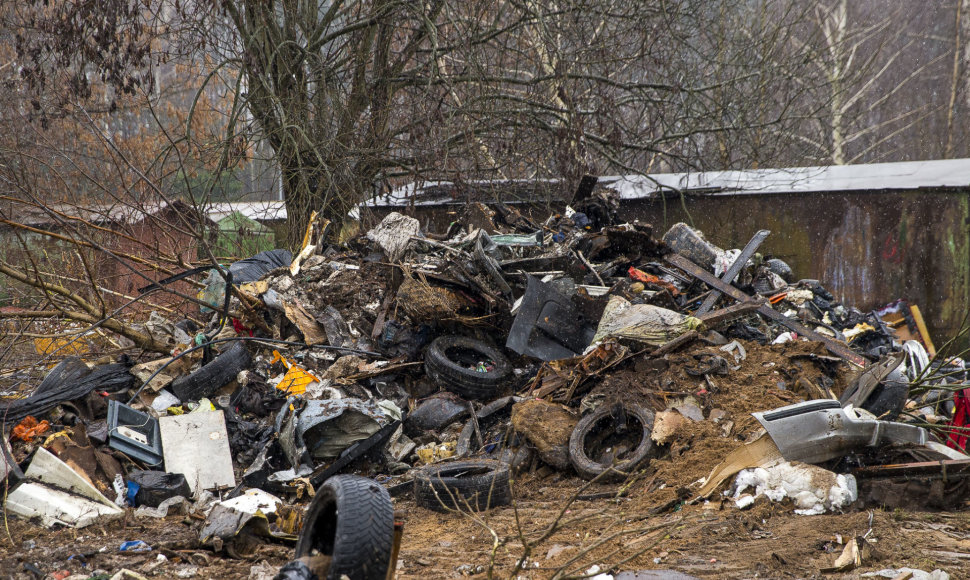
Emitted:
<point x="431" y="453"/>
<point x="296" y="380"/>
<point x="62" y="346"/>
<point x="50" y="439"/>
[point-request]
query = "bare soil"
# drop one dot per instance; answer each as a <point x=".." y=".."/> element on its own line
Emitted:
<point x="560" y="526"/>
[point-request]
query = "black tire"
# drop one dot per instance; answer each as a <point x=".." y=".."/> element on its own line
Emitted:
<point x="447" y="362"/>
<point x="601" y="426"/>
<point x="350" y="519"/>
<point x="461" y="485"/>
<point x="213" y="376"/>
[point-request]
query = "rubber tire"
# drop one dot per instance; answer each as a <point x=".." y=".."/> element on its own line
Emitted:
<point x="444" y="488"/>
<point x="350" y="519"/>
<point x="468" y="383"/>
<point x="213" y="376"/>
<point x="589" y="469"/>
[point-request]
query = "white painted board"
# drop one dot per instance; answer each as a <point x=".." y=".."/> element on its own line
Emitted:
<point x="197" y="446"/>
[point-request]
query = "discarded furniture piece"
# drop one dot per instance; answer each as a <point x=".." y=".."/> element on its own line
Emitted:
<point x="938" y="485"/>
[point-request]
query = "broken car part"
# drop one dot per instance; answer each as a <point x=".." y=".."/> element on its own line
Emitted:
<point x="881" y="389"/>
<point x="548" y="326"/>
<point x="817" y="431"/>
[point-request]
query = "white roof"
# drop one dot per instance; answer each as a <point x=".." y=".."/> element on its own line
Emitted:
<point x="254" y="210"/>
<point x="440" y="192"/>
<point x="906" y="175"/>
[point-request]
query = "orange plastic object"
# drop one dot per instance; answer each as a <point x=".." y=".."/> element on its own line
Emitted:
<point x="641" y="276"/>
<point x="30" y="428"/>
<point x="778" y="297"/>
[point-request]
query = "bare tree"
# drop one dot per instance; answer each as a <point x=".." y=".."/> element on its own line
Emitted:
<point x="350" y="93"/>
<point x="858" y="50"/>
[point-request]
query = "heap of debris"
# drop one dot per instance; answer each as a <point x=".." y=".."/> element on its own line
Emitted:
<point x="435" y="366"/>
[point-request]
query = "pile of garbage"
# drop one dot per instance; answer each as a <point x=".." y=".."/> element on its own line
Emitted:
<point x="433" y="367"/>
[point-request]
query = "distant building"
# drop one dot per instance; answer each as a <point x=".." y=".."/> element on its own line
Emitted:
<point x="124" y="247"/>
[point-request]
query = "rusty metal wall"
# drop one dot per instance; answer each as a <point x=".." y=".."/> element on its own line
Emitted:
<point x="867" y="248"/>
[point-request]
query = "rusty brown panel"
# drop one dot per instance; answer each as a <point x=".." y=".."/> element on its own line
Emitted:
<point x="868" y="249"/>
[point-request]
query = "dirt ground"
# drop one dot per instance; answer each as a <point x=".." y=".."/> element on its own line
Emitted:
<point x="560" y="526"/>
<point x="707" y="541"/>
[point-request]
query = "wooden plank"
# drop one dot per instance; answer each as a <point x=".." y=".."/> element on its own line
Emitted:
<point x="837" y="348"/>
<point x="734" y="270"/>
<point x="924" y="332"/>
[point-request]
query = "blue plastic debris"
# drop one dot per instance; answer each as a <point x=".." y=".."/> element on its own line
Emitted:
<point x="135" y="546"/>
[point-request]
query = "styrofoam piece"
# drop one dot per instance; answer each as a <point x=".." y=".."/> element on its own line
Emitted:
<point x="53" y="506"/>
<point x="814" y="490"/>
<point x="197" y="446"/>
<point x="59" y="495"/>
<point x="164" y="400"/>
<point x="48" y="469"/>
<point x="252" y="501"/>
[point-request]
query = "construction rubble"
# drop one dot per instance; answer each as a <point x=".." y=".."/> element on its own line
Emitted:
<point x="320" y="403"/>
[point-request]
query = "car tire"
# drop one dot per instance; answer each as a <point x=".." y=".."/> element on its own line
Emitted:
<point x="211" y="377"/>
<point x="463" y="485"/>
<point x="447" y="362"/>
<point x="605" y="418"/>
<point x="350" y="519"/>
